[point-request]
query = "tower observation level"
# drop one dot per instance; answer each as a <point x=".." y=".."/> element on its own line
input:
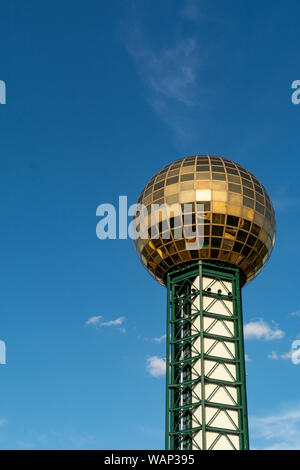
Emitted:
<point x="207" y="227"/>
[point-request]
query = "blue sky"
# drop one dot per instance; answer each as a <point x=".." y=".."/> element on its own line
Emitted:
<point x="100" y="96"/>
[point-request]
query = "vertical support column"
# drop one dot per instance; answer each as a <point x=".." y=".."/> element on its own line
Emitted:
<point x="206" y="392"/>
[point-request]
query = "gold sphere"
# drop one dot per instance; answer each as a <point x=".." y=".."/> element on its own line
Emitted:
<point x="238" y="223"/>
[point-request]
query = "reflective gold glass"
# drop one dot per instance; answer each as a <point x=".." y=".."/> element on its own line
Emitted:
<point x="238" y="223"/>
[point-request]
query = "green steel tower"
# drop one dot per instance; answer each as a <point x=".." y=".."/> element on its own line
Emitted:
<point x="206" y="228"/>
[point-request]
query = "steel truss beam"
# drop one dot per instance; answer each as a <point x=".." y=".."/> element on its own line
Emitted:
<point x="206" y="388"/>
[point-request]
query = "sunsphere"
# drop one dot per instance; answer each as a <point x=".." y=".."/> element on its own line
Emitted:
<point x="239" y="218"/>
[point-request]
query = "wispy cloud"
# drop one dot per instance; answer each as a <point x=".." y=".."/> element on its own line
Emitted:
<point x="277" y="431"/>
<point x="157" y="339"/>
<point x="284" y="203"/>
<point x="260" y="329"/>
<point x="293" y="354"/>
<point x="285" y="198"/>
<point x="192" y="11"/>
<point x="156" y="366"/>
<point x="169" y="71"/>
<point x="97" y="321"/>
<point x="273" y="356"/>
<point x="118" y="321"/>
<point x="122" y="330"/>
<point x="295" y="314"/>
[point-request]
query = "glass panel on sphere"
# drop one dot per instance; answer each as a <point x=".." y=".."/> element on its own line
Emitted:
<point x="219" y="207"/>
<point x="235" y="199"/>
<point x="203" y="194"/>
<point x="259" y="208"/>
<point x="245" y="224"/>
<point x="251" y="240"/>
<point x="227" y="244"/>
<point x="218" y="169"/>
<point x="218" y="218"/>
<point x="248" y="192"/>
<point x="260" y="199"/>
<point x="159" y="185"/>
<point x="246" y="250"/>
<point x="219" y="185"/>
<point x="263" y="235"/>
<point x="247" y="213"/>
<point x="202" y="184"/>
<point x="186" y="185"/>
<point x="234" y="210"/>
<point x="237" y="247"/>
<point x="202" y="175"/>
<point x="234" y="188"/>
<point x="217" y="230"/>
<point x="218" y="176"/>
<point x="229" y="233"/>
<point x="232" y="171"/>
<point x="172" y="199"/>
<point x="258" y="219"/>
<point x="241" y="236"/>
<point x="234" y="179"/>
<point x="189" y="162"/>
<point x="258" y="189"/>
<point x="234" y="221"/>
<point x="172" y="189"/>
<point x="202" y="168"/>
<point x="219" y="196"/>
<point x="172" y="180"/>
<point x="186" y="196"/>
<point x="247" y="183"/>
<point x="248" y="202"/>
<point x="186" y="170"/>
<point x="158" y="194"/>
<point x="255" y="229"/>
<point x="187" y="177"/>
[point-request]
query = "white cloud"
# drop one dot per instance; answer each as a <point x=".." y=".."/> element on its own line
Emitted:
<point x="295" y="314"/>
<point x="158" y="339"/>
<point x="286" y="355"/>
<point x="118" y="321"/>
<point x="284" y="203"/>
<point x="2" y="422"/>
<point x="247" y="358"/>
<point x="156" y="366"/>
<point x="98" y="322"/>
<point x="259" y="329"/>
<point x="293" y="355"/>
<point x="277" y="431"/>
<point x="285" y="198"/>
<point x="94" y="321"/>
<point x="191" y="11"/>
<point x="122" y="330"/>
<point x="170" y="72"/>
<point x="273" y="356"/>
